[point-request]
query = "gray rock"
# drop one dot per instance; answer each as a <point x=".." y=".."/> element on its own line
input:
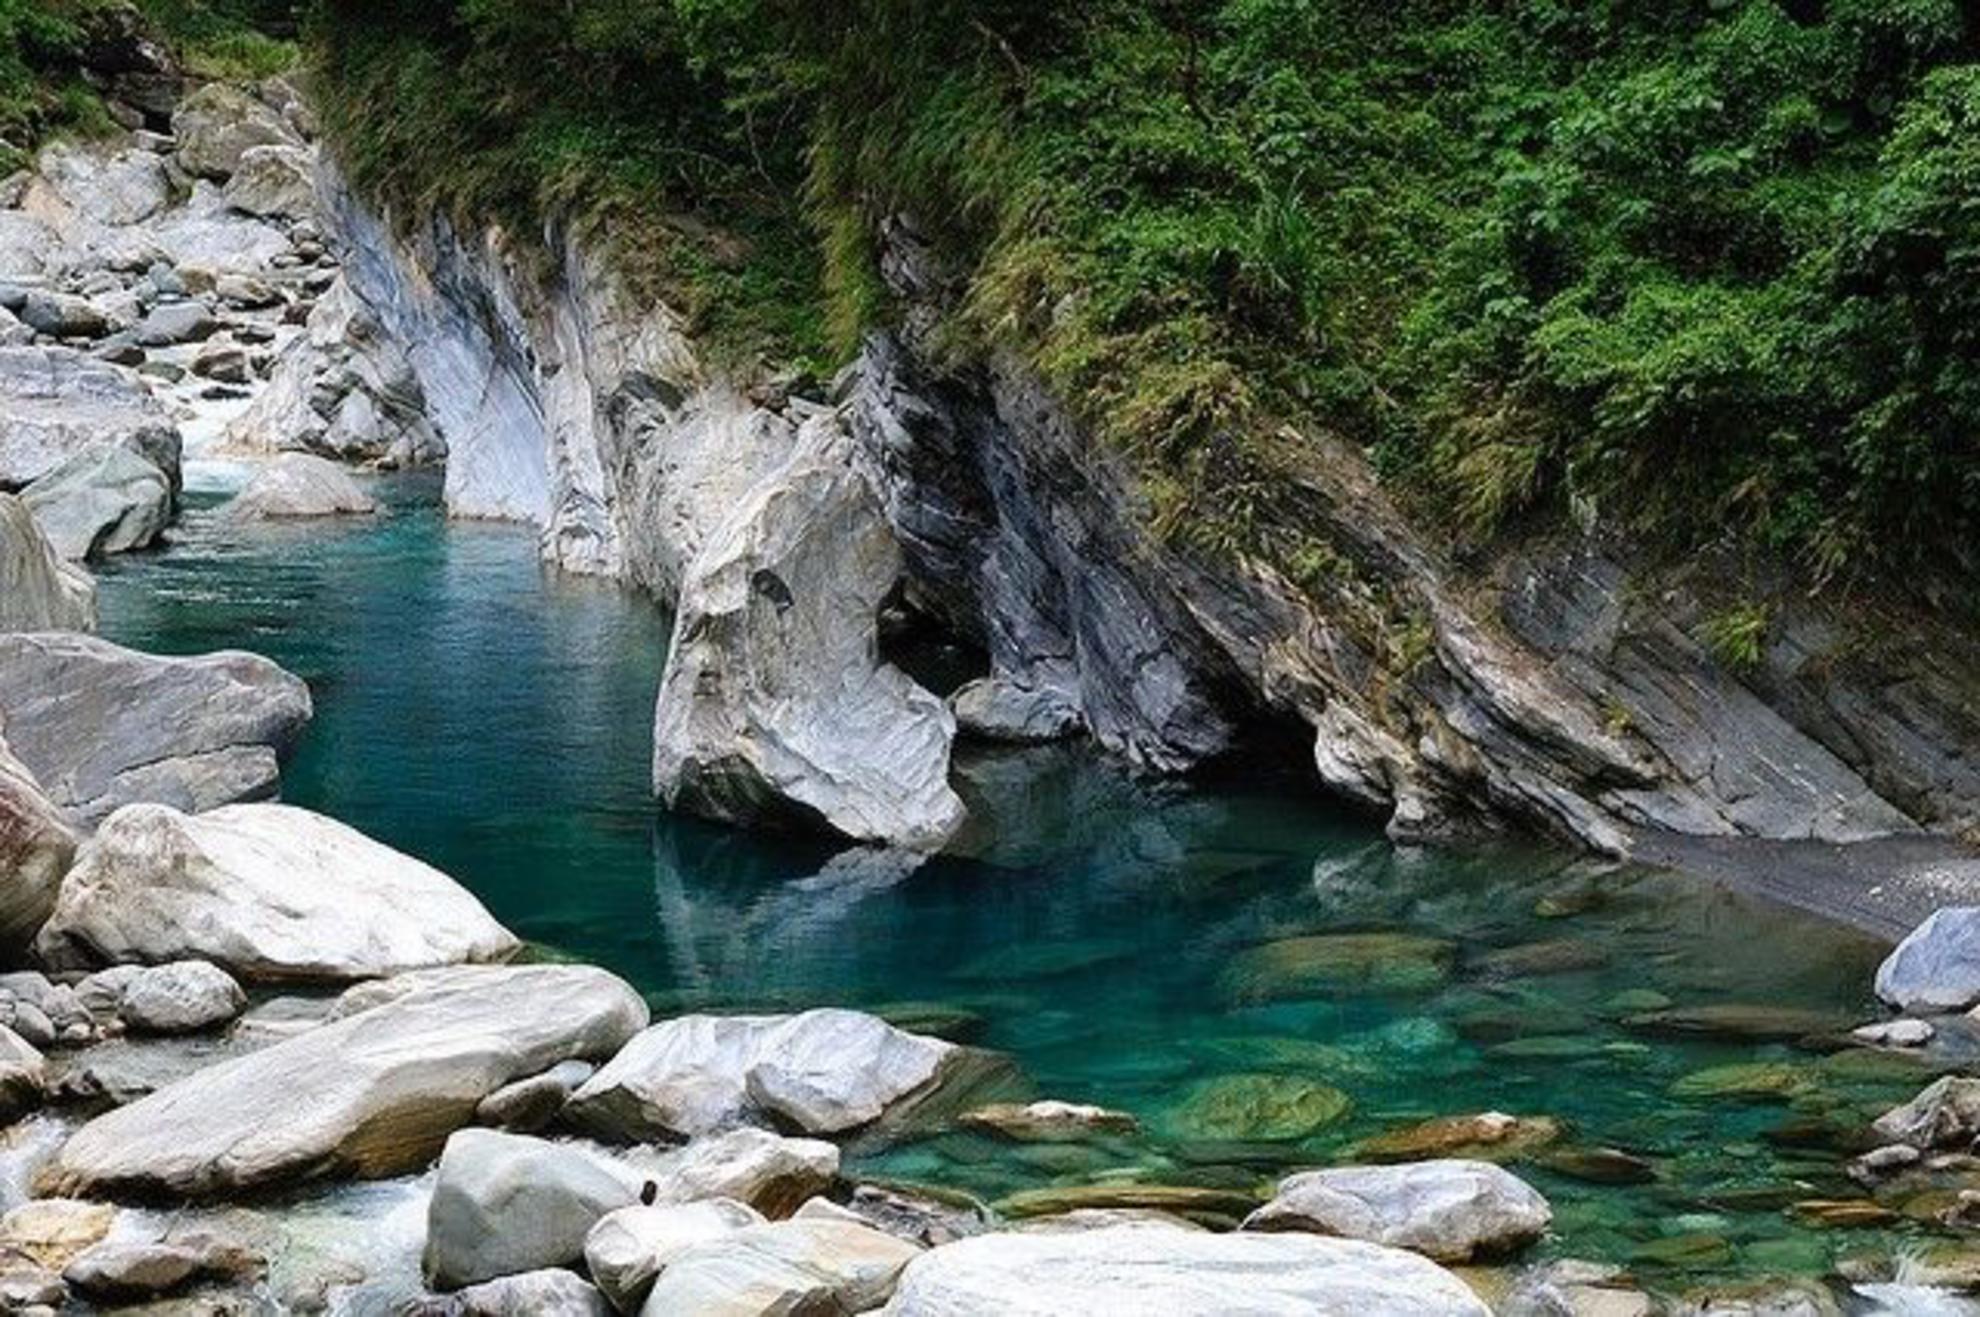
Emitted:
<point x="181" y="997"/>
<point x="1153" y="1268"/>
<point x="274" y="181"/>
<point x="272" y="892"/>
<point x="373" y="1094"/>
<point x="528" y="1105"/>
<point x="823" y="1072"/>
<point x="300" y="485"/>
<point x="128" y="1269"/>
<point x="104" y="499"/>
<point x="109" y="187"/>
<point x="23" y="1075"/>
<point x="1448" y="1210"/>
<point x="996" y="709"/>
<point x="1945" y="1115"/>
<point x="38" y="590"/>
<point x="1937" y="967"/>
<point x="172" y="323"/>
<point x="771" y="1173"/>
<point x="217" y="125"/>
<point x="1570" y="1288"/>
<point x="36" y="848"/>
<point x="626" y="1249"/>
<point x="13" y="333"/>
<point x="774" y="702"/>
<point x="548" y="1293"/>
<point x="506" y="1203"/>
<point x="63" y="315"/>
<point x="100" y="726"/>
<point x="226" y="362"/>
<point x="58" y="401"/>
<point x="783" y="1267"/>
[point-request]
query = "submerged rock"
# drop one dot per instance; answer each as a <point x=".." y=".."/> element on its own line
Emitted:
<point x="271" y="892"/>
<point x="506" y="1203"/>
<point x="1741" y="1022"/>
<point x="1257" y="1108"/>
<point x="1453" y="1211"/>
<point x="1491" y="1136"/>
<point x="784" y="1267"/>
<point x="370" y="1095"/>
<point x="626" y="1249"/>
<point x="103" y="499"/>
<point x="823" y="1072"/>
<point x="1937" y="966"/>
<point x="1339" y="962"/>
<point x="1049" y="1121"/>
<point x="1148" y="1268"/>
<point x="101" y="726"/>
<point x="775" y="702"/>
<point x="38" y="590"/>
<point x="299" y="485"/>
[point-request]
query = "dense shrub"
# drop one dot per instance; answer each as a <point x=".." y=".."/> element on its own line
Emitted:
<point x="1705" y="268"/>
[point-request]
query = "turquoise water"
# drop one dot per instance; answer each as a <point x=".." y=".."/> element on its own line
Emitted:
<point x="1126" y="941"/>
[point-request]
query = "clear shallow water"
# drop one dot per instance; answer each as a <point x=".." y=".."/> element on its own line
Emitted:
<point x="1125" y="941"/>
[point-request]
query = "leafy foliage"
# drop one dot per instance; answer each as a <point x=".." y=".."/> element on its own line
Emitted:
<point x="1704" y="268"/>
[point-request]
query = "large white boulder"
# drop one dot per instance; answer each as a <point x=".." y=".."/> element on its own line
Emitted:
<point x="626" y="1249"/>
<point x="115" y="187"/>
<point x="799" y="1266"/>
<point x="296" y="485"/>
<point x="1450" y="1210"/>
<point x="823" y="1072"/>
<point x="271" y="892"/>
<point x="373" y="1094"/>
<point x="775" y="703"/>
<point x="1152" y="1268"/>
<point x="102" y="726"/>
<point x="1937" y="966"/>
<point x="38" y="591"/>
<point x="57" y="401"/>
<point x="102" y="499"/>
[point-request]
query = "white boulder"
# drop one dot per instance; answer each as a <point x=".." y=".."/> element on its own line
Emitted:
<point x="1450" y="1210"/>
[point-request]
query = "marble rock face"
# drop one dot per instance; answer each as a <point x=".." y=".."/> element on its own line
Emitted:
<point x="101" y="726"/>
<point x="775" y="703"/>
<point x="271" y="892"/>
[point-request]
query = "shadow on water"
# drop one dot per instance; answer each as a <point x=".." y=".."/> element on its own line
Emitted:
<point x="1260" y="978"/>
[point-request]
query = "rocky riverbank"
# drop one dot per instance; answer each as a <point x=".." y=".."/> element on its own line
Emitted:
<point x="258" y="1061"/>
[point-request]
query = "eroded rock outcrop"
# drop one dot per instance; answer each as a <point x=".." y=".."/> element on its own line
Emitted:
<point x="38" y="590"/>
<point x="104" y="499"/>
<point x="101" y="726"/>
<point x="271" y="892"/>
<point x="297" y="485"/>
<point x="775" y="701"/>
<point x="373" y="1094"/>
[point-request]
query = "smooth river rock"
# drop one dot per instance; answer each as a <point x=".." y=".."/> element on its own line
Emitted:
<point x="38" y="590"/>
<point x="823" y="1072"/>
<point x="1149" y="1268"/>
<point x="626" y="1249"/>
<point x="103" y="499"/>
<point x="184" y="996"/>
<point x="300" y="485"/>
<point x="102" y="726"/>
<point x="1945" y="1115"/>
<point x="1937" y="967"/>
<point x="373" y="1094"/>
<point x="800" y="1266"/>
<point x="36" y="849"/>
<point x="271" y="892"/>
<point x="775" y="703"/>
<point x="508" y="1203"/>
<point x="58" y="401"/>
<point x="550" y="1292"/>
<point x="1449" y="1210"/>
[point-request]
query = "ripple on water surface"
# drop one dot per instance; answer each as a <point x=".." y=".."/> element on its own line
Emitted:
<point x="1260" y="979"/>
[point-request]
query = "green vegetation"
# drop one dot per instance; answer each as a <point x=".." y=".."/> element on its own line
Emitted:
<point x="1707" y="269"/>
<point x="43" y="92"/>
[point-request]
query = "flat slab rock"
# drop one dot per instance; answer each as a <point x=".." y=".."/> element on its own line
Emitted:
<point x="1450" y="1210"/>
<point x="822" y="1072"/>
<point x="101" y="726"/>
<point x="1153" y="1268"/>
<point x="271" y="892"/>
<point x="370" y="1095"/>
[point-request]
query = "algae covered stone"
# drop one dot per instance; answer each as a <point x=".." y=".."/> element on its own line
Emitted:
<point x="1490" y="1136"/>
<point x="1261" y="1108"/>
<point x="1332" y="963"/>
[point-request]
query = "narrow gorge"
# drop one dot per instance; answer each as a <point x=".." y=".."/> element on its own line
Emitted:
<point x="510" y="804"/>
